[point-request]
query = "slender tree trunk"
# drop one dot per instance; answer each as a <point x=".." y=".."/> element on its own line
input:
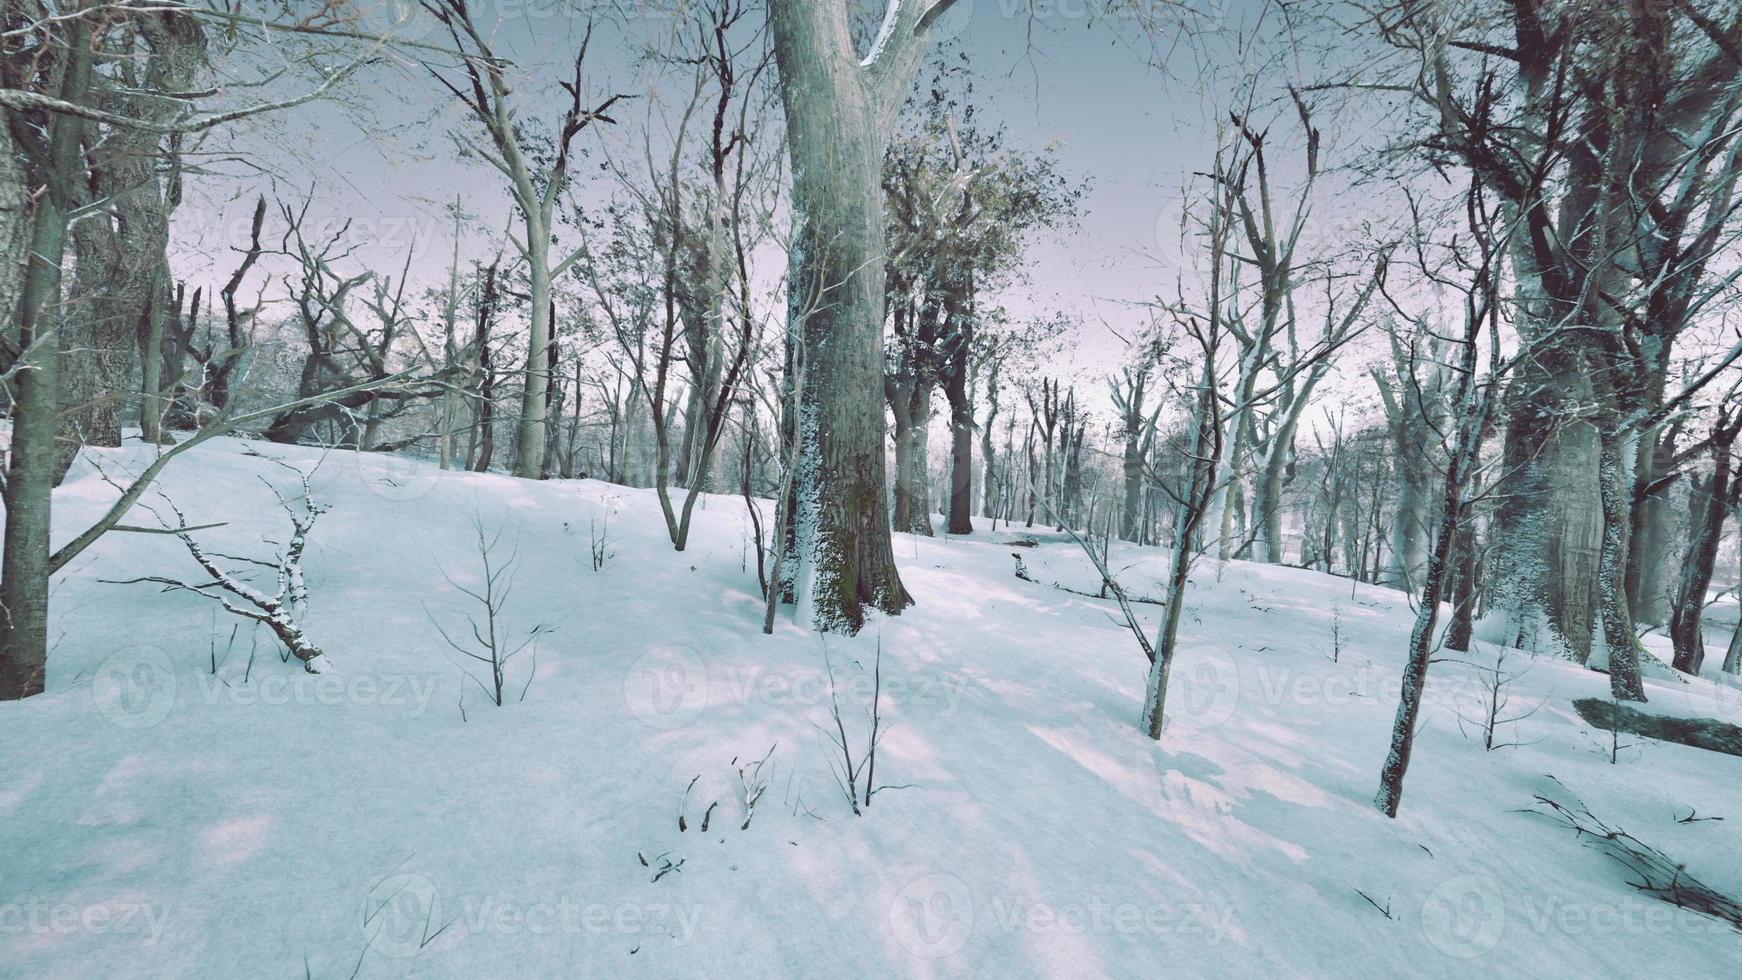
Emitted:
<point x="1420" y="650"/>
<point x="30" y="468"/>
<point x="486" y="424"/>
<point x="1710" y="503"/>
<point x="447" y="413"/>
<point x="1472" y="414"/>
<point x="1733" y="655"/>
<point x="1615" y="485"/>
<point x="152" y="403"/>
<point x="1188" y="519"/>
<point x="961" y="445"/>
<point x="535" y="394"/>
<point x="989" y="482"/>
<point x="1464" y="585"/>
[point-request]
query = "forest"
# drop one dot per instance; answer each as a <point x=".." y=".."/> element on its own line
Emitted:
<point x="870" y="487"/>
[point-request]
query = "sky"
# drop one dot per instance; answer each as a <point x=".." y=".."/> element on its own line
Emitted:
<point x="1130" y="109"/>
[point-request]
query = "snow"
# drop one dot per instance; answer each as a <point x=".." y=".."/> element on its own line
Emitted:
<point x="885" y="31"/>
<point x="161" y="821"/>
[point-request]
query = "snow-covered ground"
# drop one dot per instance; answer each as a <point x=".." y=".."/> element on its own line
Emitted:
<point x="159" y="820"/>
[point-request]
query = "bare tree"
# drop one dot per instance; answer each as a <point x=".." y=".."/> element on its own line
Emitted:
<point x="1475" y="398"/>
<point x="492" y="641"/>
<point x="536" y="175"/>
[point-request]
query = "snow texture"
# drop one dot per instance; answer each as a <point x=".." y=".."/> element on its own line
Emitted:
<point x="384" y="818"/>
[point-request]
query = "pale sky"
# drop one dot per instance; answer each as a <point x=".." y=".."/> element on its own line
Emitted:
<point x="1131" y="111"/>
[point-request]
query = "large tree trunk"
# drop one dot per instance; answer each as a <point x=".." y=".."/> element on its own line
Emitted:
<point x="14" y="231"/>
<point x="1700" y="733"/>
<point x="123" y="267"/>
<point x="1131" y="506"/>
<point x="1273" y="478"/>
<point x="1651" y="576"/>
<point x="1403" y="555"/>
<point x="838" y="111"/>
<point x="97" y="340"/>
<point x="1547" y="532"/>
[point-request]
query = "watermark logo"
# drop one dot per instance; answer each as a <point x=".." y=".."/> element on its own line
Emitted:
<point x="409" y="694"/>
<point x="1465" y="916"/>
<point x="399" y="915"/>
<point x="40" y="918"/>
<point x="1205" y="922"/>
<point x="667" y="687"/>
<point x="933" y="916"/>
<point x="135" y="688"/>
<point x="1202" y="695"/>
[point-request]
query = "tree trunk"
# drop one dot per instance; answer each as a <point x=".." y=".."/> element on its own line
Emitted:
<point x="1733" y="654"/>
<point x="1267" y="495"/>
<point x="1403" y="558"/>
<point x="1615" y="487"/>
<point x="535" y="393"/>
<point x="160" y="308"/>
<point x="15" y="225"/>
<point x="989" y="484"/>
<point x="122" y="265"/>
<point x="486" y="423"/>
<point x="1131" y="505"/>
<point x="837" y="114"/>
<point x="30" y="468"/>
<point x="1650" y="574"/>
<point x="1472" y="412"/>
<point x="1192" y="508"/>
<point x="1464" y="584"/>
<point x="1547" y="532"/>
<point x="911" y="408"/>
<point x="1710" y="503"/>
<point x="961" y="442"/>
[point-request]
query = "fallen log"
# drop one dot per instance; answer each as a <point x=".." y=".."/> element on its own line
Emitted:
<point x="1700" y="733"/>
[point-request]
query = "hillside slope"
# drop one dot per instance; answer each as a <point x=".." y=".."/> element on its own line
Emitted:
<point x="163" y="820"/>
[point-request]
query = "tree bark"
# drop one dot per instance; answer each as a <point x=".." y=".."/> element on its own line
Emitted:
<point x="1711" y="501"/>
<point x="838" y="111"/>
<point x="30" y="468"/>
<point x="990" y="490"/>
<point x="1547" y="532"/>
<point x="961" y="520"/>
<point x="1650" y="574"/>
<point x="123" y="267"/>
<point x="1615" y="489"/>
